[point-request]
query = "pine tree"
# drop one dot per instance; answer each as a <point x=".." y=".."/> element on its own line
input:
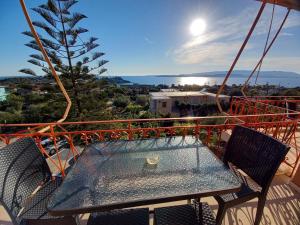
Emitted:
<point x="74" y="59"/>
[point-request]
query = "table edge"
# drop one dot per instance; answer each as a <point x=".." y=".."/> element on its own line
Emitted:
<point x="91" y="209"/>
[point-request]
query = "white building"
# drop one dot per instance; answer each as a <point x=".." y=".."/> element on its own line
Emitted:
<point x="165" y="101"/>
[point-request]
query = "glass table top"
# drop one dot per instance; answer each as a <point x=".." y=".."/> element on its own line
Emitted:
<point x="120" y="174"/>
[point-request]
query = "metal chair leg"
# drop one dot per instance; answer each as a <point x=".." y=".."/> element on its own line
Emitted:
<point x="68" y="220"/>
<point x="260" y="209"/>
<point x="189" y="201"/>
<point x="221" y="213"/>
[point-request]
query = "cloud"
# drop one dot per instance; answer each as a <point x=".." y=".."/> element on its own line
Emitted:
<point x="286" y="34"/>
<point x="220" y="44"/>
<point x="148" y="41"/>
<point x="212" y="53"/>
<point x="290" y="63"/>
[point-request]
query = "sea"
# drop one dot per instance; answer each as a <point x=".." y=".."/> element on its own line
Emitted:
<point x="277" y="78"/>
<point x="286" y="81"/>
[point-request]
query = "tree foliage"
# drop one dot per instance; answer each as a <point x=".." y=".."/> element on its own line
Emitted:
<point x="74" y="59"/>
<point x="121" y="101"/>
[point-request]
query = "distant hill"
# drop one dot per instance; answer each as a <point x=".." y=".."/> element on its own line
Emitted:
<point x="237" y="73"/>
<point x="2" y="77"/>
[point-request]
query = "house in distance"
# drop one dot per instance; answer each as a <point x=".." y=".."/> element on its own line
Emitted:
<point x="172" y="101"/>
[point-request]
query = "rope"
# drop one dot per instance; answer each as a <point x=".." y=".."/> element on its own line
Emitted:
<point x="238" y="55"/>
<point x="267" y="41"/>
<point x="265" y="53"/>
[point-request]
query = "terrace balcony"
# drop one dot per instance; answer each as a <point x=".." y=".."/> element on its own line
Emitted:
<point x="275" y="116"/>
<point x="282" y="207"/>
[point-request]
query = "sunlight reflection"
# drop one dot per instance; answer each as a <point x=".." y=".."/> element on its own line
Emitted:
<point x="194" y="80"/>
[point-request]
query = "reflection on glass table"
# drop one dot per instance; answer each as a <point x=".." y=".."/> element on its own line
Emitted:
<point x="120" y="174"/>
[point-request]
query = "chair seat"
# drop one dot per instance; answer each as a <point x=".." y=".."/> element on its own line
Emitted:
<point x="35" y="206"/>
<point x="138" y="216"/>
<point x="249" y="189"/>
<point x="196" y="214"/>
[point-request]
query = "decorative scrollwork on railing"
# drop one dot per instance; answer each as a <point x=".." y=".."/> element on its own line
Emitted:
<point x="170" y="131"/>
<point x="78" y="134"/>
<point x="5" y="140"/>
<point x="144" y="133"/>
<point x="85" y="138"/>
<point x="99" y="135"/>
<point x="115" y="135"/>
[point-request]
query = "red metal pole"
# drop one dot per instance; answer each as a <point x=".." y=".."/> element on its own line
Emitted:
<point x="51" y="67"/>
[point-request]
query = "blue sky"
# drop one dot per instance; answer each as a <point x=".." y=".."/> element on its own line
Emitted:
<point x="142" y="37"/>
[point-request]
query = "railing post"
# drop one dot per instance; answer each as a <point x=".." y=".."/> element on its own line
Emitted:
<point x="197" y="129"/>
<point x="208" y="136"/>
<point x="53" y="135"/>
<point x="129" y="131"/>
<point x="231" y="106"/>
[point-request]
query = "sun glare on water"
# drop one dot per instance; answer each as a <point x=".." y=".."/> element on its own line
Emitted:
<point x="193" y="80"/>
<point x="198" y="27"/>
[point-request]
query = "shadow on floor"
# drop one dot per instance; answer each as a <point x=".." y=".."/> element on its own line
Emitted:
<point x="5" y="222"/>
<point x="282" y="207"/>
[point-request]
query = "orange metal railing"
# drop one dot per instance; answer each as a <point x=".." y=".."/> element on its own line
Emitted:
<point x="264" y="105"/>
<point x="212" y="130"/>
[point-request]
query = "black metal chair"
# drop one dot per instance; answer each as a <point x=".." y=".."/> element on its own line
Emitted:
<point x="254" y="157"/>
<point x="138" y="216"/>
<point x="26" y="185"/>
<point x="192" y="214"/>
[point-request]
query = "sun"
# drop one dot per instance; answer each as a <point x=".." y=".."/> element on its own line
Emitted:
<point x="198" y="27"/>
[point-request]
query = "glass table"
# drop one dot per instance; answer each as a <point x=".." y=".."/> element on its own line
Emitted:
<point x="121" y="174"/>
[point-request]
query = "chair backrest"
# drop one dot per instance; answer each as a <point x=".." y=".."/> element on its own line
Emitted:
<point x="22" y="169"/>
<point x="257" y="154"/>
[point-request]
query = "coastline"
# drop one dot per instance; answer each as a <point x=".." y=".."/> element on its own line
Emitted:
<point x="289" y="82"/>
